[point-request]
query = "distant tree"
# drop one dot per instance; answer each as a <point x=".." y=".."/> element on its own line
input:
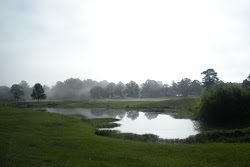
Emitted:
<point x="89" y="83"/>
<point x="46" y="88"/>
<point x="17" y="91"/>
<point x="132" y="89"/>
<point x="232" y="83"/>
<point x="5" y="94"/>
<point x="58" y="91"/>
<point x="195" y="88"/>
<point x="103" y="83"/>
<point x="183" y="86"/>
<point x="174" y="86"/>
<point x="24" y="84"/>
<point x="246" y="82"/>
<point x="110" y="89"/>
<point x="170" y="92"/>
<point x="38" y="92"/>
<point x="151" y="89"/>
<point x="47" y="91"/>
<point x="120" y="89"/>
<point x="97" y="92"/>
<point x="73" y="88"/>
<point x="210" y="79"/>
<point x="26" y="89"/>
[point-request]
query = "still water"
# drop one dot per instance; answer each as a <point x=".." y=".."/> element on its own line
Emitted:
<point x="163" y="125"/>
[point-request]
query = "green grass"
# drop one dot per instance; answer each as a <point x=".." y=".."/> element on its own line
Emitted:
<point x="34" y="138"/>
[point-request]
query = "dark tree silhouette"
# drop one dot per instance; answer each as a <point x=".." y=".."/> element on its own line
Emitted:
<point x="38" y="92"/>
<point x="17" y="91"/>
<point x="210" y="79"/>
<point x="246" y="82"/>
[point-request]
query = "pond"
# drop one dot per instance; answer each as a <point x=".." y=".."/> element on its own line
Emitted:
<point x="163" y="125"/>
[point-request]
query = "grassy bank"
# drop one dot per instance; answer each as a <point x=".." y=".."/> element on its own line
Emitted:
<point x="33" y="138"/>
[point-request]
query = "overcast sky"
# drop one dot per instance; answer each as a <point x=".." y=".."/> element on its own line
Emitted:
<point x="47" y="41"/>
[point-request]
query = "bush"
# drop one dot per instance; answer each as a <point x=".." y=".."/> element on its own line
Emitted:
<point x="223" y="136"/>
<point x="224" y="104"/>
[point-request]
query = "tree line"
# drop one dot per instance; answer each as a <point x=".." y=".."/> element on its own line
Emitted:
<point x="74" y="88"/>
<point x="22" y="89"/>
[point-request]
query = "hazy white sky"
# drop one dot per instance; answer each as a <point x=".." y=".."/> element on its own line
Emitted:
<point x="47" y="41"/>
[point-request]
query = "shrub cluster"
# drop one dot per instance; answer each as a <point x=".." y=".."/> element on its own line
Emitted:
<point x="224" y="104"/>
<point x="222" y="136"/>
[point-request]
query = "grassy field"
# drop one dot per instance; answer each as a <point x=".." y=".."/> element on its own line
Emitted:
<point x="34" y="138"/>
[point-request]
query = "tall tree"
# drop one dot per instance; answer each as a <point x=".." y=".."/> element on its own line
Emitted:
<point x="209" y="79"/>
<point x="38" y="92"/>
<point x="17" y="91"/>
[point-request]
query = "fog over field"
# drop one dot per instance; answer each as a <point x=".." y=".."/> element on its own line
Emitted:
<point x="48" y="41"/>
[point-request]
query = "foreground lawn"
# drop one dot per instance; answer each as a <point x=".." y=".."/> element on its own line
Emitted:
<point x="33" y="138"/>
